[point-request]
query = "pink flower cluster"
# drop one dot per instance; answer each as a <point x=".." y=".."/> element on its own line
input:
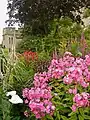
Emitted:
<point x="39" y="97"/>
<point x="81" y="100"/>
<point x="72" y="71"/>
<point x="58" y="67"/>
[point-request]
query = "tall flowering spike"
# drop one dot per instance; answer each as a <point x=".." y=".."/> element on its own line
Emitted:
<point x="83" y="44"/>
<point x="82" y="36"/>
<point x="55" y="55"/>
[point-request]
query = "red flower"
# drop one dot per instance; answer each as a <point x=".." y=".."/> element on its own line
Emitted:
<point x="29" y="55"/>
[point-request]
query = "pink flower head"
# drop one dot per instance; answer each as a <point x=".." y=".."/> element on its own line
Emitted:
<point x="77" y="98"/>
<point x="26" y="114"/>
<point x="85" y="95"/>
<point x="74" y="91"/>
<point x="74" y="108"/>
<point x="84" y="84"/>
<point x="81" y="100"/>
<point x="26" y="101"/>
<point x="87" y="60"/>
<point x="25" y="92"/>
<point x="70" y="91"/>
<point x="67" y="80"/>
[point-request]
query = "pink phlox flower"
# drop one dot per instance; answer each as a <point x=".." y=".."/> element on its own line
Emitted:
<point x="84" y="84"/>
<point x="26" y="114"/>
<point x="70" y="91"/>
<point x="87" y="60"/>
<point x="26" y="101"/>
<point x="54" y="62"/>
<point x="67" y="80"/>
<point x="85" y="95"/>
<point x="73" y="91"/>
<point x="25" y="92"/>
<point x="81" y="100"/>
<point x="77" y="98"/>
<point x="74" y="108"/>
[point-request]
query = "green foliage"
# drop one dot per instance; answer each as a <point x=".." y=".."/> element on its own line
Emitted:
<point x="74" y="48"/>
<point x="63" y="102"/>
<point x="4" y="106"/>
<point x="61" y="99"/>
<point x="63" y="31"/>
<point x="21" y="75"/>
<point x="3" y="60"/>
<point x="32" y="43"/>
<point x="44" y="56"/>
<point x="86" y="13"/>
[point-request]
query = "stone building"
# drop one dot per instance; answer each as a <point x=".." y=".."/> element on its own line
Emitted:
<point x="11" y="37"/>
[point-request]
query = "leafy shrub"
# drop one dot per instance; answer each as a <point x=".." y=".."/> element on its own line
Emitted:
<point x="62" y="30"/>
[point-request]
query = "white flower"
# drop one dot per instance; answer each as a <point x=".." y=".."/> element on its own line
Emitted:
<point x="15" y="99"/>
<point x="11" y="93"/>
<point x="53" y="107"/>
<point x="55" y="94"/>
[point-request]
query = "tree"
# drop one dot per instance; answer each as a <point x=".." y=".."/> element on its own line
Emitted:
<point x="37" y="14"/>
<point x="62" y="36"/>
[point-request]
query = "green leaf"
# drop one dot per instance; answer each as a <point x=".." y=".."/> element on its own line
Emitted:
<point x="74" y="117"/>
<point x="79" y="53"/>
<point x="80" y="117"/>
<point x="9" y="118"/>
<point x="58" y="115"/>
<point x="16" y="118"/>
<point x="49" y="117"/>
<point x="72" y="113"/>
<point x="64" y="118"/>
<point x="1" y="118"/>
<point x="81" y="111"/>
<point x="86" y="117"/>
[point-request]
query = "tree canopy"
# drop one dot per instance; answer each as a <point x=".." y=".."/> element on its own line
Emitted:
<point x="37" y="14"/>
